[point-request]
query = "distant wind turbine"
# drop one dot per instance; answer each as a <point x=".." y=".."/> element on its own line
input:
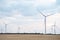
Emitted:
<point x="1" y="30"/>
<point x="54" y="28"/>
<point x="18" y="29"/>
<point x="5" y="28"/>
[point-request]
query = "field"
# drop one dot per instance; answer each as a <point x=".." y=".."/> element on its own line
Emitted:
<point x="28" y="37"/>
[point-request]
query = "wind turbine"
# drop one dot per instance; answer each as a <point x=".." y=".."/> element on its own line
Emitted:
<point x="18" y="29"/>
<point x="45" y="18"/>
<point x="1" y="30"/>
<point x="54" y="28"/>
<point x="5" y="28"/>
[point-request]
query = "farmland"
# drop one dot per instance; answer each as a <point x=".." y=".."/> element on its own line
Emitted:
<point x="28" y="37"/>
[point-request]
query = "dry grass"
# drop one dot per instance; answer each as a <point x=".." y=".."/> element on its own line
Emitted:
<point x="28" y="37"/>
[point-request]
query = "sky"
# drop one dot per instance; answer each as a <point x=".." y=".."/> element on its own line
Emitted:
<point x="26" y="16"/>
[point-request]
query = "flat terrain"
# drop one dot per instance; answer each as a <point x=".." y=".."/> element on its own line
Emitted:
<point x="28" y="37"/>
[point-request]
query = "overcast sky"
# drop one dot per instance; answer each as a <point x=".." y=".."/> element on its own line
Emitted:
<point x="26" y="15"/>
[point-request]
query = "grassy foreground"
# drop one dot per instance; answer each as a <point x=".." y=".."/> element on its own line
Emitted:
<point x="28" y="37"/>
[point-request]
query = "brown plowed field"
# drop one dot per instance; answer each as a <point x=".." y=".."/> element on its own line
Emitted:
<point x="28" y="37"/>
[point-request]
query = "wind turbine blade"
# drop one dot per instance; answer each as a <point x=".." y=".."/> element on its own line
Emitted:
<point x="50" y="14"/>
<point x="41" y="13"/>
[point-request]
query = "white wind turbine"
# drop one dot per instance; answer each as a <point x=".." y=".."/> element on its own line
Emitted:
<point x="45" y="18"/>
